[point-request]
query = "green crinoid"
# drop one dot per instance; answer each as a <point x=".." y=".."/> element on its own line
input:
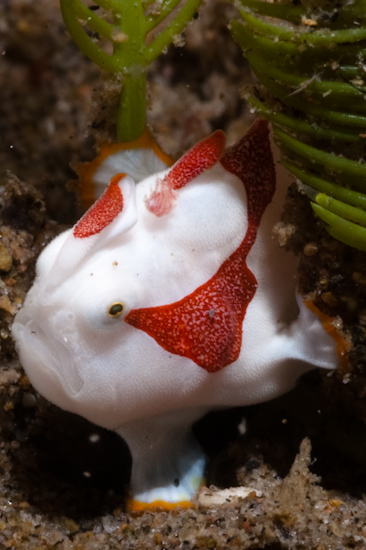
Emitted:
<point x="128" y="26"/>
<point x="310" y="60"/>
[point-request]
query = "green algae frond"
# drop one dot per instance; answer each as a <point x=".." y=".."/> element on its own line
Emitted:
<point x="128" y="26"/>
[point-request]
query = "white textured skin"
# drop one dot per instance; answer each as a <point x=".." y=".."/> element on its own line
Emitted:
<point x="116" y="375"/>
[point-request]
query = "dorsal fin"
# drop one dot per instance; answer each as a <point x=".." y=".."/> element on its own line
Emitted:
<point x="140" y="159"/>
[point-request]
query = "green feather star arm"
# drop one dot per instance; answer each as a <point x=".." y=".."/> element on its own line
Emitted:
<point x="309" y="60"/>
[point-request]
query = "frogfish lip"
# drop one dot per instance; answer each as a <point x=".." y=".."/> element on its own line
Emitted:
<point x="47" y="357"/>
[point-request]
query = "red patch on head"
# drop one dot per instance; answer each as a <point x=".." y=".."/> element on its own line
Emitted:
<point x="103" y="212"/>
<point x="206" y="326"/>
<point x="202" y="156"/>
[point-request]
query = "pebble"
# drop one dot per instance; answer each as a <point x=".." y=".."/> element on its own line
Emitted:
<point x="210" y="499"/>
<point x="6" y="261"/>
<point x="29" y="400"/>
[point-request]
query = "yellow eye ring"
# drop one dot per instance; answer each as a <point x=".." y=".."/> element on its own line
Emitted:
<point x="115" y="309"/>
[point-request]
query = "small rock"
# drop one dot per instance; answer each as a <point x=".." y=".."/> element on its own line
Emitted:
<point x="210" y="499"/>
<point x="7" y="305"/>
<point x="6" y="261"/>
<point x="29" y="400"/>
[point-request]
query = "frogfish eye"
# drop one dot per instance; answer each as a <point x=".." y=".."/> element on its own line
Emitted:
<point x="115" y="309"/>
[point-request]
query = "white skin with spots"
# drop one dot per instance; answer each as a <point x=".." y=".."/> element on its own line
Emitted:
<point x="119" y="377"/>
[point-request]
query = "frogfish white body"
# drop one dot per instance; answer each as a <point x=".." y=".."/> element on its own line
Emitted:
<point x="167" y="299"/>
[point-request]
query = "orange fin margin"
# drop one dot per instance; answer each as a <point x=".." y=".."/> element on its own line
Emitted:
<point x="136" y="506"/>
<point x="86" y="170"/>
<point x="328" y="323"/>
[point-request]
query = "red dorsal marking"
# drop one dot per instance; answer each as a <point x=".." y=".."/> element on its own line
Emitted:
<point x="251" y="160"/>
<point x="206" y="326"/>
<point x="202" y="156"/>
<point x="198" y="159"/>
<point x="103" y="212"/>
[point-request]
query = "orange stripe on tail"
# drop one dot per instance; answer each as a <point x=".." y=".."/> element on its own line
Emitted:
<point x="343" y="346"/>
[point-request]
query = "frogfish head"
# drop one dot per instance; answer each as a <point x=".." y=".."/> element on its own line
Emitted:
<point x="71" y="333"/>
